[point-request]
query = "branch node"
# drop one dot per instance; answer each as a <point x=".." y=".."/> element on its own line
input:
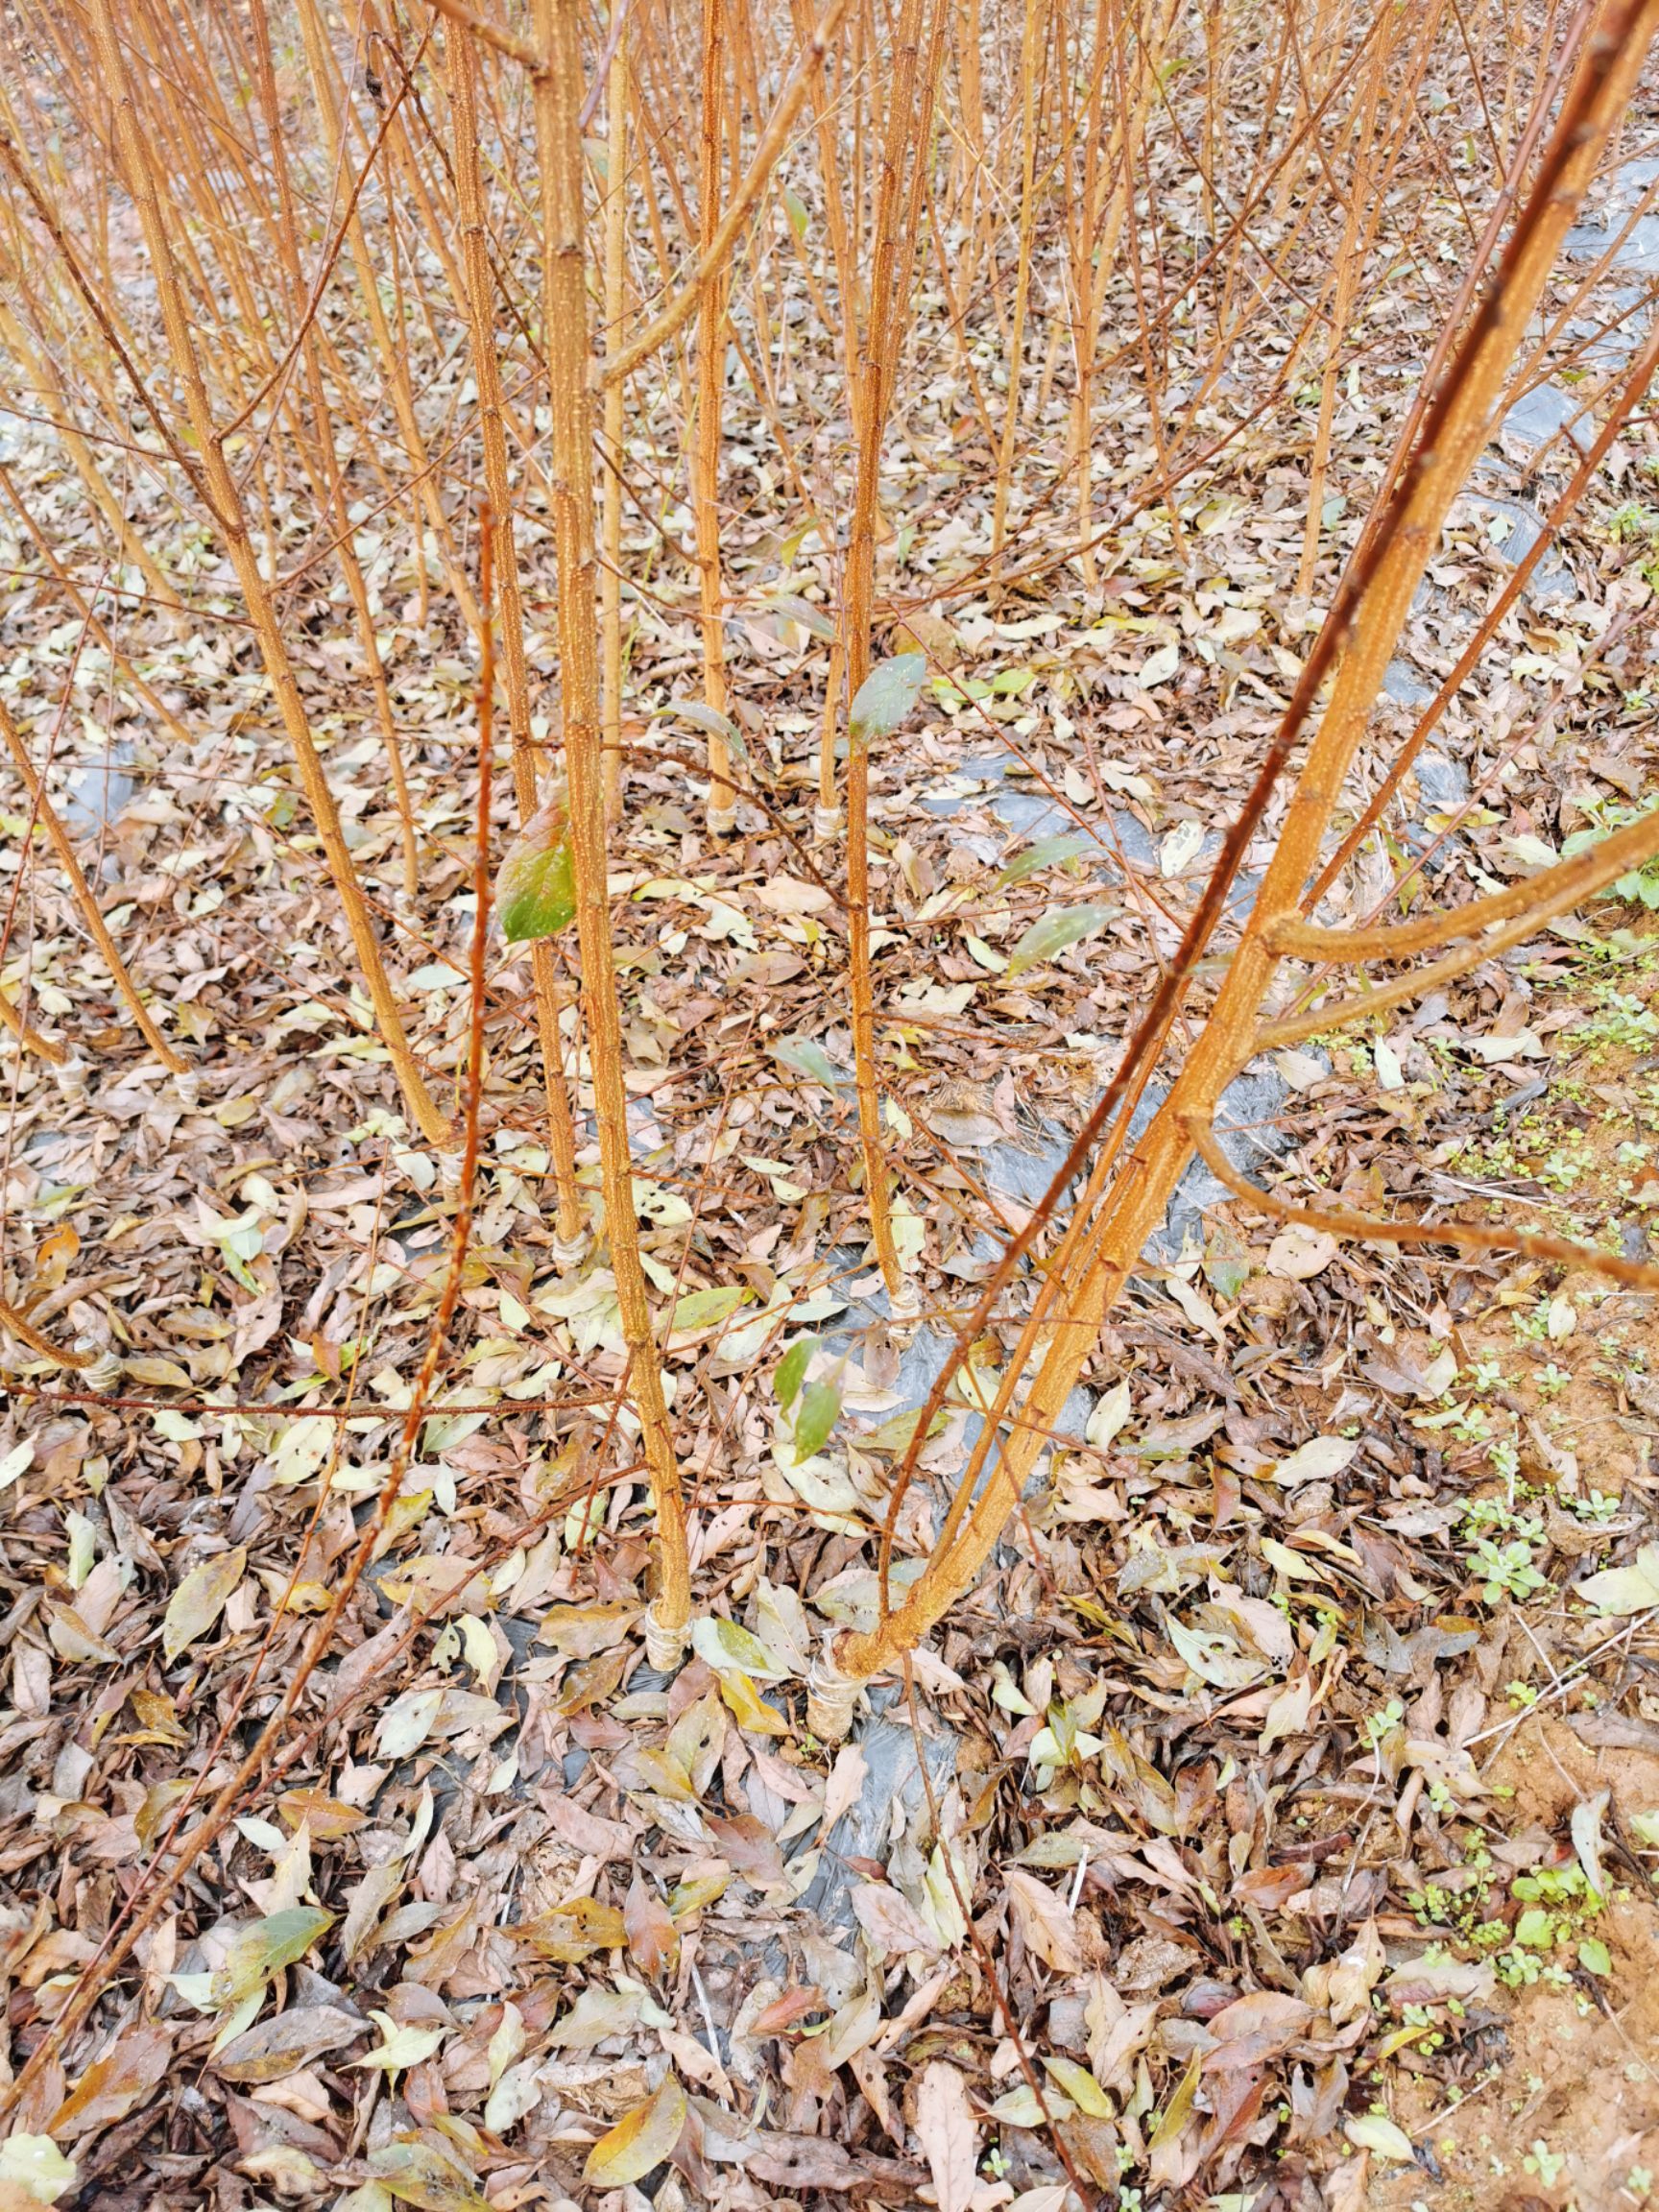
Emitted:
<point x="664" y="1646"/>
<point x="905" y="1310"/>
<point x="70" y="1077"/>
<point x="570" y="1252"/>
<point x="102" y="1369"/>
<point x="831" y="1700"/>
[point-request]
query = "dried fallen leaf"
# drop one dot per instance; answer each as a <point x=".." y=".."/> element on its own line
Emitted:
<point x="890" y="1921"/>
<point x="34" y="2169"/>
<point x="640" y="2139"/>
<point x="750" y="1846"/>
<point x="1255" y="2027"/>
<point x="1111" y="1413"/>
<point x="1048" y="1929"/>
<point x="723" y="1644"/>
<point x="1054" y="931"/>
<point x="788" y="895"/>
<point x="1080" y="2086"/>
<point x="264" y="1949"/>
<point x="400" y="2046"/>
<point x="1167" y="2160"/>
<point x="653" y="1941"/>
<point x="1181" y="846"/>
<point x="1021" y="2107"/>
<point x="199" y="1601"/>
<point x="596" y="2015"/>
<point x="1376" y="2131"/>
<point x="422" y="2175"/>
<point x="1621" y="1591"/>
<point x="517" y="2092"/>
<point x="1318" y="1460"/>
<point x="847" y="1779"/>
<point x="406" y="1721"/>
<point x="885" y="697"/>
<point x="112" y="2086"/>
<point x="945" y="2130"/>
<point x="1587" y="1839"/>
<point x="290" y="2040"/>
<point x="1296" y="1254"/>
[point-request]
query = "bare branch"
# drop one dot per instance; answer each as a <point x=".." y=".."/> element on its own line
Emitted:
<point x="517" y="50"/>
<point x="25" y="1333"/>
<point x="679" y="310"/>
<point x="1337" y="1222"/>
<point x="1537" y="899"/>
<point x="1570" y="887"/>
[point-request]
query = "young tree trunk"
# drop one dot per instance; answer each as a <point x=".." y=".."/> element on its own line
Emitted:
<point x="564" y="320"/>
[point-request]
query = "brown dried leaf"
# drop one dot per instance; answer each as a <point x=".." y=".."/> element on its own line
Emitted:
<point x="199" y="1601"/>
<point x="945" y="2130"/>
<point x="1049" y="1930"/>
<point x="891" y="1921"/>
<point x="290" y="2041"/>
<point x="653" y="1941"/>
<point x="112" y="2086"/>
<point x="574" y="1930"/>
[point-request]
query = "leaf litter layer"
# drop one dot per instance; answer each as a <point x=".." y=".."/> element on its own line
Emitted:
<point x="1288" y="1783"/>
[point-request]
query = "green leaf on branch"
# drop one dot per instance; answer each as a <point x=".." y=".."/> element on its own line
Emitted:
<point x="1046" y="852"/>
<point x="812" y="619"/>
<point x="1066" y="925"/>
<point x="792" y="1369"/>
<point x="805" y="1058"/>
<point x="885" y="697"/>
<point x="709" y="719"/>
<point x="536" y="886"/>
<point x="820" y="1410"/>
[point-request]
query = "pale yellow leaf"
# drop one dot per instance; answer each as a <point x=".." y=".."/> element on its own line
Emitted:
<point x="199" y="1601"/>
<point x="34" y="2166"/>
<point x="399" y="2047"/>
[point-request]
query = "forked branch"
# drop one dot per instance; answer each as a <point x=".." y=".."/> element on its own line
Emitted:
<point x="465" y="19"/>
<point x="223" y="501"/>
<point x="1535" y="899"/>
<point x="717" y="253"/>
<point x="1366" y="619"/>
<point x="1630" y="395"/>
<point x="1373" y="1229"/>
<point x="1566" y="893"/>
